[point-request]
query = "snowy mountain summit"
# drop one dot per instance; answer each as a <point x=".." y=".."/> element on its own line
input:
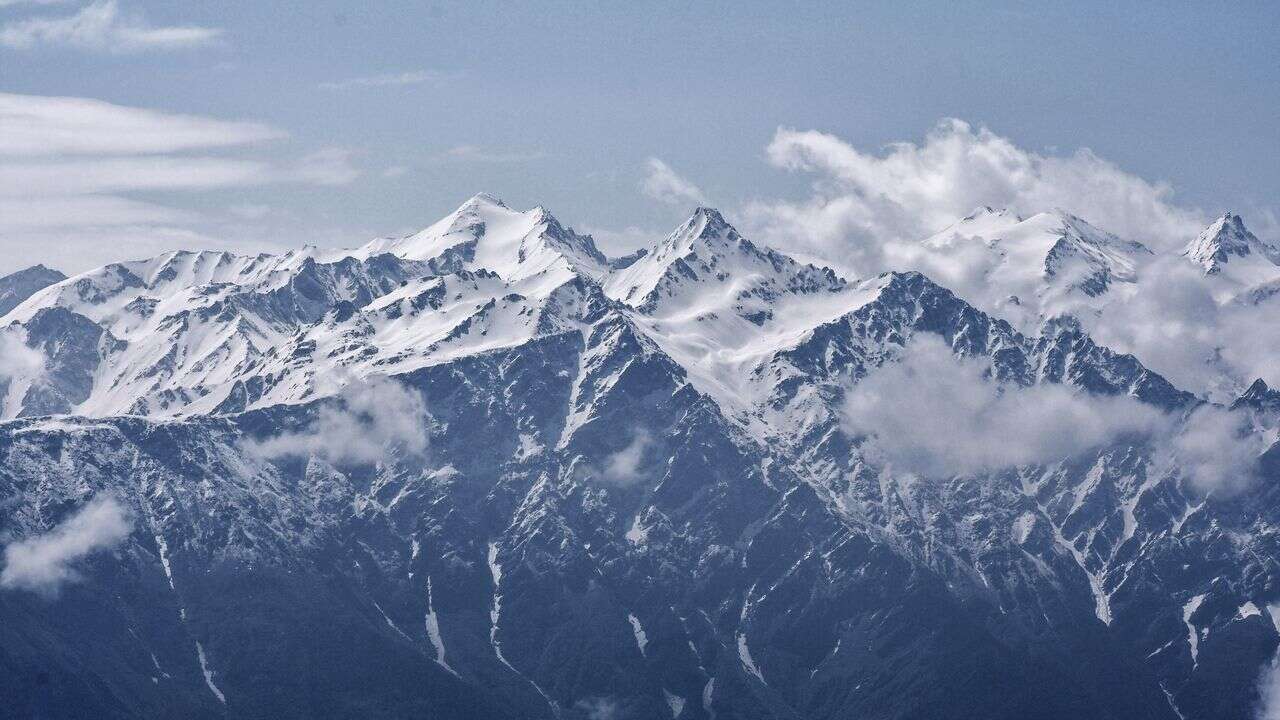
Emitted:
<point x="486" y="471"/>
<point x="1228" y="238"/>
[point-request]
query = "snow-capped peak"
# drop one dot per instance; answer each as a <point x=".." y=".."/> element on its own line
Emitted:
<point x="706" y="253"/>
<point x="485" y="234"/>
<point x="1225" y="238"/>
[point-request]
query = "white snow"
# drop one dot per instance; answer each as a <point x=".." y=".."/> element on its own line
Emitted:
<point x="208" y="674"/>
<point x="390" y="624"/>
<point x="433" y="630"/>
<point x="1248" y="610"/>
<point x="637" y="534"/>
<point x="1193" y="635"/>
<point x="641" y="639"/>
<point x="708" y="693"/>
<point x="744" y="655"/>
<point x="495" y="613"/>
<point x="1102" y="602"/>
<point x="675" y="702"/>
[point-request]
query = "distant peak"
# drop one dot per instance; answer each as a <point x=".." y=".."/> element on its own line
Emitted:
<point x="1224" y="238"/>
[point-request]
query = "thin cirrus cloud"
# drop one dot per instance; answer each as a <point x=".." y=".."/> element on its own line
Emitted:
<point x="102" y="26"/>
<point x="36" y="125"/>
<point x="412" y="77"/>
<point x="475" y="153"/>
<point x="71" y="165"/>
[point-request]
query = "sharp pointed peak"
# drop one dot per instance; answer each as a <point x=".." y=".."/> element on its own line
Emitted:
<point x="484" y="198"/>
<point x="1224" y="238"/>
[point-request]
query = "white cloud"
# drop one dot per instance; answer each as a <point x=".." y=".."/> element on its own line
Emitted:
<point x="665" y="185"/>
<point x="862" y="200"/>
<point x="367" y="422"/>
<point x="1216" y="450"/>
<point x="413" y="77"/>
<point x="17" y="359"/>
<point x="933" y="414"/>
<point x="45" y="563"/>
<point x="37" y="125"/>
<point x="100" y="26"/>
<point x="395" y="171"/>
<point x="623" y="467"/>
<point x="1172" y="322"/>
<point x="73" y="159"/>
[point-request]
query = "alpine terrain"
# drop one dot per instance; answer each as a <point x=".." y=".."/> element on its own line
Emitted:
<point x="486" y="471"/>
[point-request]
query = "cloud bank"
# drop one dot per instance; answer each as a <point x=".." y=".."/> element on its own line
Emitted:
<point x="370" y="422"/>
<point x="44" y="564"/>
<point x="934" y="414"/>
<point x="862" y="200"/>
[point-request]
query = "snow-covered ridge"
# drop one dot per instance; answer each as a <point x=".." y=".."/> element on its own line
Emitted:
<point x="188" y="333"/>
<point x="209" y="332"/>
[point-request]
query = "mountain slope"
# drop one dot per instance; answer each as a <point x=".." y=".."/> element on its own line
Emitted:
<point x="594" y="487"/>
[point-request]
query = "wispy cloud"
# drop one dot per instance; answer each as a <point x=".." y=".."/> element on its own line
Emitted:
<point x="10" y="3"/>
<point x="45" y="563"/>
<point x="664" y="184"/>
<point x="412" y="77"/>
<point x="475" y="153"/>
<point x="32" y="125"/>
<point x="68" y="164"/>
<point x="101" y="26"/>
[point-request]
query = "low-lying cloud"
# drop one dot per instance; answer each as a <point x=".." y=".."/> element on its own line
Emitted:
<point x="45" y="563"/>
<point x="622" y="468"/>
<point x="1217" y="450"/>
<point x="16" y="358"/>
<point x="370" y="421"/>
<point x="934" y="414"/>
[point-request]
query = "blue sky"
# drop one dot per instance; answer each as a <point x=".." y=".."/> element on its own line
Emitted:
<point x="382" y="118"/>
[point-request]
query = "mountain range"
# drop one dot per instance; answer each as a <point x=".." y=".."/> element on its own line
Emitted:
<point x="486" y="471"/>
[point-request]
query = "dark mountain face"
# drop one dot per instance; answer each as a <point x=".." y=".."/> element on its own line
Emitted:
<point x="592" y="529"/>
<point x="23" y="284"/>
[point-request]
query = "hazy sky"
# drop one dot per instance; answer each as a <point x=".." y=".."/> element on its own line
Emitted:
<point x="332" y="122"/>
